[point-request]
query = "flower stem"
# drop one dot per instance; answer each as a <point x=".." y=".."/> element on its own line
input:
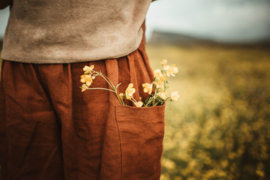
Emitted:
<point x="167" y="99"/>
<point x="134" y="99"/>
<point x="148" y="102"/>
<point x="113" y="87"/>
<point x="120" y="100"/>
<point x="101" y="88"/>
<point x="110" y="84"/>
<point x="154" y="96"/>
<point x="103" y="76"/>
<point x="107" y="79"/>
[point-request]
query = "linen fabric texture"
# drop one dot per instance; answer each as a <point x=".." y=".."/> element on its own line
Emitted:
<point x="60" y="31"/>
<point x="50" y="130"/>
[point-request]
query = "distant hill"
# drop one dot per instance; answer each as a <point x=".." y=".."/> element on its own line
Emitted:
<point x="159" y="38"/>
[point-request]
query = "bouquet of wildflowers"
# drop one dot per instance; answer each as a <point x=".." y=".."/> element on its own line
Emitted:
<point x="156" y="90"/>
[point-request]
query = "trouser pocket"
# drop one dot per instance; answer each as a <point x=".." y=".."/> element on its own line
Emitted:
<point x="141" y="139"/>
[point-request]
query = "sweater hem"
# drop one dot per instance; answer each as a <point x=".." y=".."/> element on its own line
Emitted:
<point x="64" y="61"/>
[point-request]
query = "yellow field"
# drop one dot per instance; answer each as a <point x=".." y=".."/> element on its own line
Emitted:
<point x="220" y="127"/>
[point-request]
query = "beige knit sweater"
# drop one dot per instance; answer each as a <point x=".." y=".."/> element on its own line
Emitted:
<point x="61" y="31"/>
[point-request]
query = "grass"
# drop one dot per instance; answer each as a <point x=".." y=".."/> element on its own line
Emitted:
<point x="220" y="127"/>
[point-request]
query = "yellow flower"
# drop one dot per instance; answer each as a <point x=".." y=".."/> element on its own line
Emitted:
<point x="87" y="79"/>
<point x="166" y="67"/>
<point x="174" y="96"/>
<point x="171" y="70"/>
<point x="139" y="104"/>
<point x="147" y="88"/>
<point x="121" y="95"/>
<point x="163" y="78"/>
<point x="130" y="91"/>
<point x="163" y="62"/>
<point x="159" y="82"/>
<point x="87" y="69"/>
<point x="162" y="95"/>
<point x="157" y="73"/>
<point x="84" y="87"/>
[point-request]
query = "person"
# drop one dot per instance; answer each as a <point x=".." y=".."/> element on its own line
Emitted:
<point x="49" y="128"/>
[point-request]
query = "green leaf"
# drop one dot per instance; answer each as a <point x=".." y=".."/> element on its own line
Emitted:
<point x="159" y="99"/>
<point x="146" y="100"/>
<point x="117" y="86"/>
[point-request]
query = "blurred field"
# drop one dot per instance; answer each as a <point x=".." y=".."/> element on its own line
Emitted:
<point x="219" y="129"/>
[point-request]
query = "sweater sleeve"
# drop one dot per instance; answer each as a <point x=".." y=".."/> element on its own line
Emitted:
<point x="5" y="3"/>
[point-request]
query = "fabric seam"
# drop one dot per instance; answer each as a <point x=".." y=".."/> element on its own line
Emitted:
<point x="120" y="142"/>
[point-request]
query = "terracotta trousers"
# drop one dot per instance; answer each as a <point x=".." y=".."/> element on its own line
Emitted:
<point x="50" y="130"/>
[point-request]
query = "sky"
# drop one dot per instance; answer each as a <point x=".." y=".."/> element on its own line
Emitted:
<point x="3" y="20"/>
<point x="220" y="20"/>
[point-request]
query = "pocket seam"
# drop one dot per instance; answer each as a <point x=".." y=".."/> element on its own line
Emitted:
<point x="120" y="140"/>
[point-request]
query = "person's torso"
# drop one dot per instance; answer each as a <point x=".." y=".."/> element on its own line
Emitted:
<point x="60" y="31"/>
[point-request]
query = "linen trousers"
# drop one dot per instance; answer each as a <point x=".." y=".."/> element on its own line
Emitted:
<point x="50" y="130"/>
